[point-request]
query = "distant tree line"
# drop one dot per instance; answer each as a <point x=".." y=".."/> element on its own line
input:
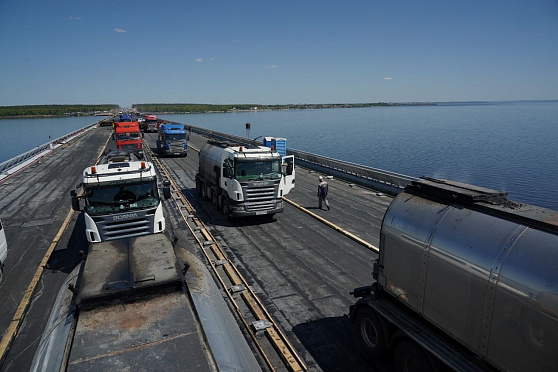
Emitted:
<point x="190" y="107"/>
<point x="54" y="110"/>
<point x="200" y="108"/>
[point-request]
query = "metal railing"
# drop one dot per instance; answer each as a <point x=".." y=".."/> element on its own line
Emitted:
<point x="378" y="179"/>
<point x="41" y="150"/>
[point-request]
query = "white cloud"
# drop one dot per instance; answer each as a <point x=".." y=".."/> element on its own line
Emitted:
<point x="119" y="30"/>
<point x="199" y="60"/>
<point x="271" y="66"/>
<point x="74" y="18"/>
<point x="386" y="78"/>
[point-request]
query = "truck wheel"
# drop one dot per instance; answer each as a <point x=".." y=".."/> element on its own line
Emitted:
<point x="411" y="357"/>
<point x="371" y="340"/>
<point x="1" y="273"/>
<point x="198" y="187"/>
<point x="204" y="191"/>
<point x="215" y="200"/>
<point x="226" y="208"/>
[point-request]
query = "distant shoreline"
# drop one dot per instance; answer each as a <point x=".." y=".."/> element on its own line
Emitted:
<point x="178" y="108"/>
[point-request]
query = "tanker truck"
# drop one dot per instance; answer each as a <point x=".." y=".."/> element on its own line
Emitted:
<point x="244" y="180"/>
<point x="465" y="278"/>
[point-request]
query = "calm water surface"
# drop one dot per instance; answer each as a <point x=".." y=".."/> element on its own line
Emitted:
<point x="20" y="135"/>
<point x="506" y="146"/>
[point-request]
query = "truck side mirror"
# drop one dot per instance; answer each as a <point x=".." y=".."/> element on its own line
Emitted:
<point x="166" y="189"/>
<point x="284" y="169"/>
<point x="75" y="201"/>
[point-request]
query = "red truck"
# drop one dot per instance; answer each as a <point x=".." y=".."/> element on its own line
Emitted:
<point x="151" y="123"/>
<point x="128" y="137"/>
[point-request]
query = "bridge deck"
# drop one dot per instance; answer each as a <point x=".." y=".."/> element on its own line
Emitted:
<point x="301" y="268"/>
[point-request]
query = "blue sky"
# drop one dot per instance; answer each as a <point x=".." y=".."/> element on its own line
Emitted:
<point x="276" y="52"/>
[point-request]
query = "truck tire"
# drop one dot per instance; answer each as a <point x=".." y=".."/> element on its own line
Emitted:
<point x="411" y="357"/>
<point x="198" y="187"/>
<point x="371" y="337"/>
<point x="215" y="200"/>
<point x="226" y="208"/>
<point x="203" y="191"/>
<point x="1" y="273"/>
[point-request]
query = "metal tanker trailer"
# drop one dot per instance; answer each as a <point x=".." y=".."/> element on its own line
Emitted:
<point x="244" y="180"/>
<point x="466" y="278"/>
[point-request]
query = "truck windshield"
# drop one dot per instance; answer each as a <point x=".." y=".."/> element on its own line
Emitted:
<point x="119" y="198"/>
<point x="259" y="169"/>
<point x="175" y="137"/>
<point x="128" y="136"/>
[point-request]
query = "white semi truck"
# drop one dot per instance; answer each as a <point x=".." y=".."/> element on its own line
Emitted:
<point x="121" y="200"/>
<point x="244" y="180"/>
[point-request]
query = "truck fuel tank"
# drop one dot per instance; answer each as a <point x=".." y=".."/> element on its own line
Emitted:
<point x="480" y="267"/>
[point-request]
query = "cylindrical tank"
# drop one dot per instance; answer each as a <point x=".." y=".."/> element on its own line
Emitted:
<point x="210" y="157"/>
<point x="481" y="268"/>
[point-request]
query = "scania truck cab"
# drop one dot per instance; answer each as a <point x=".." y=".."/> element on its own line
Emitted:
<point x="121" y="200"/>
<point x="151" y="123"/>
<point x="244" y="180"/>
<point x="172" y="140"/>
<point x="128" y="137"/>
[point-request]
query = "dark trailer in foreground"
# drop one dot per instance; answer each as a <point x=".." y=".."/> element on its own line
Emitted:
<point x="465" y="277"/>
<point x="132" y="306"/>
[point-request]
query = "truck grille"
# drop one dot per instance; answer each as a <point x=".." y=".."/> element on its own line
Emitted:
<point x="124" y="225"/>
<point x="176" y="147"/>
<point x="260" y="198"/>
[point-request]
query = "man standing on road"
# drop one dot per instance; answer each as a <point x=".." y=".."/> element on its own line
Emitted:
<point x="322" y="193"/>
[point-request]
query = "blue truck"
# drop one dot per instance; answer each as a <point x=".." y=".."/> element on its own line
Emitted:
<point x="172" y="140"/>
<point x="125" y="118"/>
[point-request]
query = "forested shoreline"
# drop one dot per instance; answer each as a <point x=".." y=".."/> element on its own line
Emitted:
<point x="54" y="110"/>
<point x="185" y="108"/>
<point x="42" y="111"/>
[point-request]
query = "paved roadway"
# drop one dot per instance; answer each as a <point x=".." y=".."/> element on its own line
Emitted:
<point x="301" y="269"/>
<point x="33" y="205"/>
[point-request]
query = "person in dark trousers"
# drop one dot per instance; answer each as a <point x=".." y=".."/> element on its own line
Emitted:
<point x="322" y="193"/>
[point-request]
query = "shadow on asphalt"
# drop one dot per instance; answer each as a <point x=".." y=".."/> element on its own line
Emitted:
<point x="330" y="342"/>
<point x="66" y="258"/>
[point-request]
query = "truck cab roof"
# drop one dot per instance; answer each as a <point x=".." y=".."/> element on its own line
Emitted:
<point x="114" y="172"/>
<point x="119" y="156"/>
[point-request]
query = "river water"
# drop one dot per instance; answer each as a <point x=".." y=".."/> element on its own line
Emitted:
<point x="508" y="146"/>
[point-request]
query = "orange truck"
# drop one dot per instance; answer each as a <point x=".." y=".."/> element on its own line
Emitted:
<point x="128" y="137"/>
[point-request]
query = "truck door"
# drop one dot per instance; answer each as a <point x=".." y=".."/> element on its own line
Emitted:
<point x="288" y="169"/>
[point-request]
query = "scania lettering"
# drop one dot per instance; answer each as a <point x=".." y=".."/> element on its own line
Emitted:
<point x="121" y="200"/>
<point x="125" y="216"/>
<point x="244" y="180"/>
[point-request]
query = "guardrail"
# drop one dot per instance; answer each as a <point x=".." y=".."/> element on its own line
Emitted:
<point x="21" y="160"/>
<point x="378" y="179"/>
